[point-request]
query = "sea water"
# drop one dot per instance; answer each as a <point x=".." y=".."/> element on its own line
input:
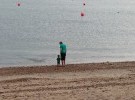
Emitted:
<point x="30" y="33"/>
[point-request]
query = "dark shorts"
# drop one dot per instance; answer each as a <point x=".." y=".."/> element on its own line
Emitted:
<point x="63" y="56"/>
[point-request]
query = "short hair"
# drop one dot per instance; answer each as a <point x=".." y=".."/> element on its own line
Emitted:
<point x="60" y="42"/>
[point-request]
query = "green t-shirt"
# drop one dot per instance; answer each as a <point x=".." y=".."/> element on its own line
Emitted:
<point x="63" y="48"/>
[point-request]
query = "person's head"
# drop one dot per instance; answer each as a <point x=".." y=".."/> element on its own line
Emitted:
<point x="58" y="56"/>
<point x="60" y="42"/>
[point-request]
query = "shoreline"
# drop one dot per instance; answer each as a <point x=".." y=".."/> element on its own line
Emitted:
<point x="67" y="68"/>
<point x="67" y="63"/>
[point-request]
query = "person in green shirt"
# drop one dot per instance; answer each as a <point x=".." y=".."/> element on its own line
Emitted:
<point x="63" y="51"/>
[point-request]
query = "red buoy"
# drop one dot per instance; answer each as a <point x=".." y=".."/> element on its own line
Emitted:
<point x="82" y="14"/>
<point x="18" y="4"/>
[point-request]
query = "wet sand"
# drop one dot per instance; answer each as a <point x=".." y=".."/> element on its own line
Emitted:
<point x="91" y="81"/>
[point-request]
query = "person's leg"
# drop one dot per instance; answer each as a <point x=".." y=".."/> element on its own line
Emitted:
<point x="64" y="58"/>
<point x="62" y="62"/>
<point x="61" y="58"/>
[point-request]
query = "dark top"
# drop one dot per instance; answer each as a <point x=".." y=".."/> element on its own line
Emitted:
<point x="58" y="60"/>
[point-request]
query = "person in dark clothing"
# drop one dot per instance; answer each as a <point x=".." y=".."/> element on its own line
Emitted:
<point x="63" y="51"/>
<point x="58" y="60"/>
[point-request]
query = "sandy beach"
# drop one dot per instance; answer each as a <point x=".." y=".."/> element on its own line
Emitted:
<point x="90" y="81"/>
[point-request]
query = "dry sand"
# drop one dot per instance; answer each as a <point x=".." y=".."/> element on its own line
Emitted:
<point x="94" y="81"/>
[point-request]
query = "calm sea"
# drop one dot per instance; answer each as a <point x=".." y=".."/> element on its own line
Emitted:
<point x="30" y="33"/>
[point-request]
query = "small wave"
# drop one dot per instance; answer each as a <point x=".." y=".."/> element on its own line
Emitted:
<point x="36" y="60"/>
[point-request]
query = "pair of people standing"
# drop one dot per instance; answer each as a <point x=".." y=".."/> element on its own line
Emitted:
<point x="63" y="51"/>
